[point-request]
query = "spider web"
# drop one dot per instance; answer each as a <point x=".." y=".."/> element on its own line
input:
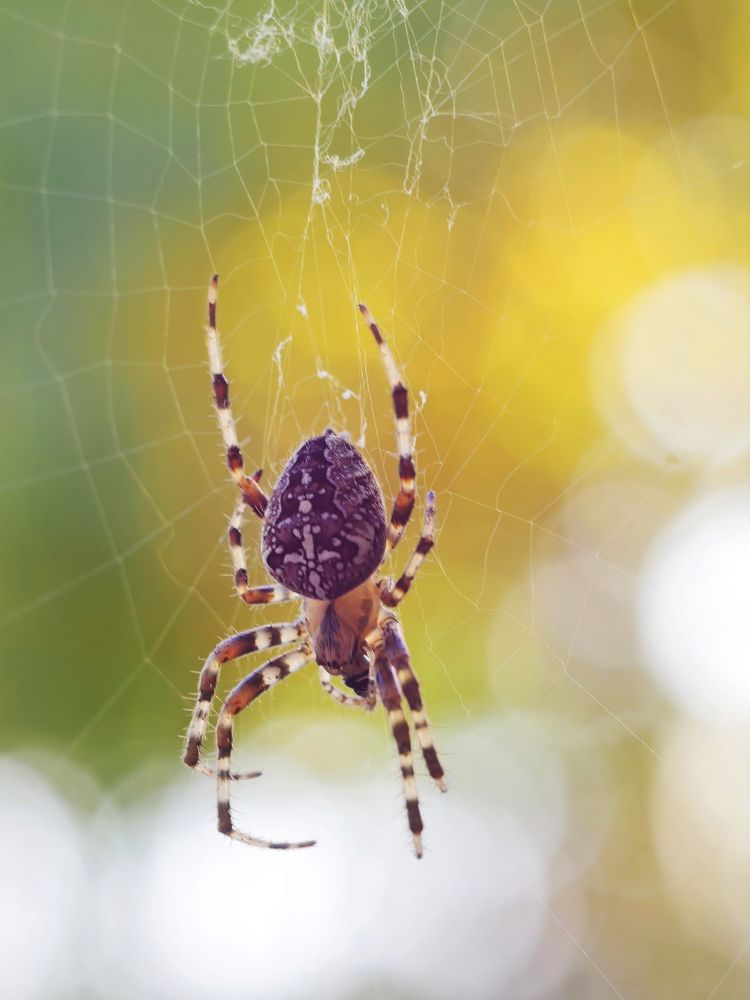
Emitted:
<point x="529" y="196"/>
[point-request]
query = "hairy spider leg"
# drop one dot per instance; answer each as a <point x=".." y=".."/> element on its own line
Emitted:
<point x="252" y="494"/>
<point x="266" y="594"/>
<point x="398" y="656"/>
<point x="392" y="596"/>
<point x="391" y="698"/>
<point x="262" y="637"/>
<point x="239" y="698"/>
<point x="404" y="502"/>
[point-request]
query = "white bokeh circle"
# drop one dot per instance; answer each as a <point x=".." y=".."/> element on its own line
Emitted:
<point x="671" y="370"/>
<point x="701" y="823"/>
<point x="206" y="916"/>
<point x="694" y="607"/>
<point x="44" y="887"/>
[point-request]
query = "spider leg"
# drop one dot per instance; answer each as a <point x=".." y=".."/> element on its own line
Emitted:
<point x="252" y="494"/>
<point x="341" y="697"/>
<point x="391" y="698"/>
<point x="392" y="596"/>
<point x="262" y="637"/>
<point x="267" y="594"/>
<point x="239" y="698"/>
<point x="404" y="502"/>
<point x="398" y="656"/>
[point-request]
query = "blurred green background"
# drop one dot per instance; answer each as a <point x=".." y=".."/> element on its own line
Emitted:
<point x="546" y="207"/>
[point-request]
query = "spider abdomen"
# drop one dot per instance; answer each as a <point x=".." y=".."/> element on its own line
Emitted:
<point x="324" y="529"/>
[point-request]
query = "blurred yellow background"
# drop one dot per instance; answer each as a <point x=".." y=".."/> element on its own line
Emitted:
<point x="545" y="205"/>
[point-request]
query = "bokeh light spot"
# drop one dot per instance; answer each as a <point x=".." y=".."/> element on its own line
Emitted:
<point x="704" y="790"/>
<point x="694" y="607"/>
<point x="672" y="371"/>
<point x="43" y="886"/>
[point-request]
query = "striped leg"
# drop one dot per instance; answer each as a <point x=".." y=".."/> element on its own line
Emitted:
<point x="252" y="494"/>
<point x="404" y="502"/>
<point x="267" y="594"/>
<point x="391" y="698"/>
<point x="238" y="645"/>
<point x="341" y="697"/>
<point x="398" y="656"/>
<point x="240" y="697"/>
<point x="394" y="595"/>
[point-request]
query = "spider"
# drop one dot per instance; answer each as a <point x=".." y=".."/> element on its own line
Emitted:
<point x="324" y="540"/>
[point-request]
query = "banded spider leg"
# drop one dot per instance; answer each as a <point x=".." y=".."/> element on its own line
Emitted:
<point x="391" y="697"/>
<point x="261" y="637"/>
<point x="237" y="700"/>
<point x="404" y="502"/>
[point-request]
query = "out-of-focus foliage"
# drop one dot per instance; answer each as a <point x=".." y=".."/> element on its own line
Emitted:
<point x="545" y="206"/>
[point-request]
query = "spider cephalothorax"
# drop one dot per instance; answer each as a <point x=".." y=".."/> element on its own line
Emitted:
<point x="324" y="539"/>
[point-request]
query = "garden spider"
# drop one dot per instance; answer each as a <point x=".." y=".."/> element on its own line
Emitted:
<point x="324" y="540"/>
